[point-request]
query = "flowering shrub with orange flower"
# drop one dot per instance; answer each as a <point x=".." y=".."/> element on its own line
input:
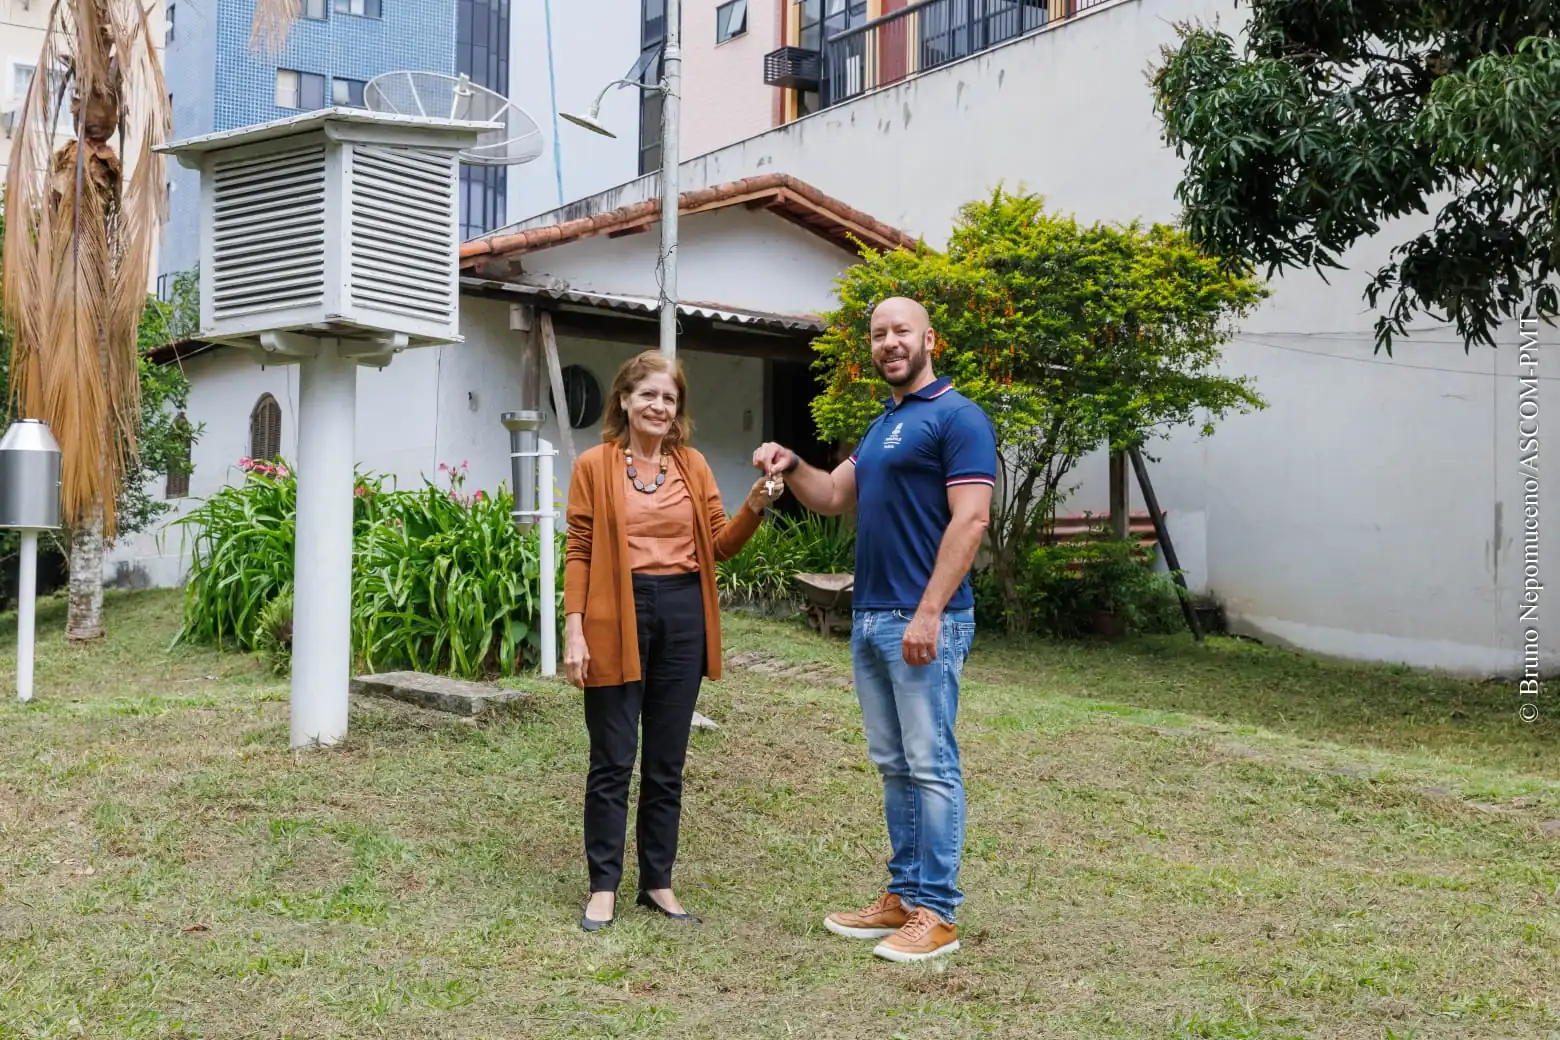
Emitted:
<point x="1071" y="337"/>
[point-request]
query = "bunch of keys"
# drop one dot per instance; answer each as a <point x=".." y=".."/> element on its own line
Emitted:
<point x="772" y="487"/>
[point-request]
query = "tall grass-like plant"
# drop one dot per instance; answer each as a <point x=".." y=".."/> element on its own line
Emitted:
<point x="764" y="571"/>
<point x="242" y="542"/>
<point x="442" y="581"/>
<point x="445" y="583"/>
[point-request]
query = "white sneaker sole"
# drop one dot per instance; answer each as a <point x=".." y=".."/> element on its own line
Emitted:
<point x="888" y="953"/>
<point x="857" y="933"/>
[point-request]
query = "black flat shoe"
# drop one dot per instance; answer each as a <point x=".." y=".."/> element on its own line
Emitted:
<point x="648" y="903"/>
<point x="590" y="924"/>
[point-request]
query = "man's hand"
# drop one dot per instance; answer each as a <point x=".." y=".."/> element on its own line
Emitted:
<point x="920" y="642"/>
<point x="772" y="458"/>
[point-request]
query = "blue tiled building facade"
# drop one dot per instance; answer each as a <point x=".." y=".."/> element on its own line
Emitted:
<point x="218" y="82"/>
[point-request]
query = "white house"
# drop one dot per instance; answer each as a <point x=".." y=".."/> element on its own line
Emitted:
<point x="758" y="257"/>
<point x="1375" y="510"/>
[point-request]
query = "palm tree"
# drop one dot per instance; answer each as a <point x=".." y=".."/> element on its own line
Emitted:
<point x="82" y="217"/>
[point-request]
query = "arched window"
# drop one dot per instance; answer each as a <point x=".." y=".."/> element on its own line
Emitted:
<point x="178" y="485"/>
<point x="265" y="429"/>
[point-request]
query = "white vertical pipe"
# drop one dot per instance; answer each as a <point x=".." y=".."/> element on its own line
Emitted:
<point x="322" y="582"/>
<point x="545" y="503"/>
<point x="26" y="597"/>
<point x="671" y="201"/>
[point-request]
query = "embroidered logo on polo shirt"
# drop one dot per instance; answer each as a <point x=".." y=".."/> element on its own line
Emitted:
<point x="892" y="440"/>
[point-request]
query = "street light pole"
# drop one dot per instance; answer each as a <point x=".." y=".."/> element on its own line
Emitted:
<point x="670" y="195"/>
<point x="670" y="89"/>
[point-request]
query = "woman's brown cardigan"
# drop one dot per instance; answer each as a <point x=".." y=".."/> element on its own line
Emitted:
<point x="596" y="579"/>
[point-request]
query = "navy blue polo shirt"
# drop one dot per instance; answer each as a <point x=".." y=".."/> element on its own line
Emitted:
<point x="935" y="439"/>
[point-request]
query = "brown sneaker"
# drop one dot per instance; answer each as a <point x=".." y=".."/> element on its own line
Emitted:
<point x="883" y="918"/>
<point x="924" y="936"/>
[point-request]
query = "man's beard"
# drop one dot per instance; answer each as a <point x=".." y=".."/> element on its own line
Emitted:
<point x="915" y="364"/>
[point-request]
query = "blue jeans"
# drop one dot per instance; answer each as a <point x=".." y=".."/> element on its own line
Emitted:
<point x="909" y="712"/>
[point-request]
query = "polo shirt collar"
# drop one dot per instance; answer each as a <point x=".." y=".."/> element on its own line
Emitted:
<point x="936" y="388"/>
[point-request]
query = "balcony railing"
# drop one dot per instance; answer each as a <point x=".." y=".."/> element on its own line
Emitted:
<point x="924" y="36"/>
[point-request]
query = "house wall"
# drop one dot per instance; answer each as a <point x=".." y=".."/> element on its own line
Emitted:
<point x="1374" y="509"/>
<point x="733" y="256"/>
<point x="432" y="406"/>
<point x="724" y="96"/>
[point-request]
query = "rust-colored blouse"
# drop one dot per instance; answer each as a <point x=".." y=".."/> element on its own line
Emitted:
<point x="598" y="579"/>
<point x="660" y="525"/>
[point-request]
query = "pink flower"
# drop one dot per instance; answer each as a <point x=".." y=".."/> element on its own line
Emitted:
<point x="281" y="471"/>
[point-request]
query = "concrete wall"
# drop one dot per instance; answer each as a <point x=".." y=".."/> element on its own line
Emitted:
<point x="431" y="406"/>
<point x="1374" y="509"/>
<point x="724" y="96"/>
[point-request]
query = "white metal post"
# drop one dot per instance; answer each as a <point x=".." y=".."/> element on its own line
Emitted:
<point x="670" y="194"/>
<point x="26" y="596"/>
<point x="322" y="583"/>
<point x="544" y="504"/>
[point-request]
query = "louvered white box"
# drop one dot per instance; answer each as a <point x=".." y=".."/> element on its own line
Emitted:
<point x="342" y="223"/>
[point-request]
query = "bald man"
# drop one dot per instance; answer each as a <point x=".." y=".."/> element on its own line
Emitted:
<point x="921" y="480"/>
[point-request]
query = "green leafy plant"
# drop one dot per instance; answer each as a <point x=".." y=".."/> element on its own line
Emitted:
<point x="446" y="583"/>
<point x="241" y="548"/>
<point x="273" y="634"/>
<point x="1320" y="124"/>
<point x="442" y="580"/>
<point x="1071" y="338"/>
<point x="783" y="547"/>
<point x="1087" y="585"/>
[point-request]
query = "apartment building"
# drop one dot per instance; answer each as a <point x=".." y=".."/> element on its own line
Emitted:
<point x="218" y="81"/>
<point x="23" y="24"/>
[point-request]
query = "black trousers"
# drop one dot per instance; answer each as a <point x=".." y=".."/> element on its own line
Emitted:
<point x="670" y="614"/>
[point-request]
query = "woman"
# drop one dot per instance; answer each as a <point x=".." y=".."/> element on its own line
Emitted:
<point x="642" y="619"/>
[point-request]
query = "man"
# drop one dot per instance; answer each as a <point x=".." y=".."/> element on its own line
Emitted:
<point x="921" y="479"/>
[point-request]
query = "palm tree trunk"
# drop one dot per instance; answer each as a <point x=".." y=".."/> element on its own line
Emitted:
<point x="84" y="619"/>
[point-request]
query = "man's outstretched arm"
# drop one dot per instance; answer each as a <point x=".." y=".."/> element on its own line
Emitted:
<point x="826" y="493"/>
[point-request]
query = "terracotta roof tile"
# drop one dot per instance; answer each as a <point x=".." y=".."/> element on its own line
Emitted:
<point x="782" y="193"/>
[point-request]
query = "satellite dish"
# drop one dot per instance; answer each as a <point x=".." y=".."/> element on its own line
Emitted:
<point x="410" y="93"/>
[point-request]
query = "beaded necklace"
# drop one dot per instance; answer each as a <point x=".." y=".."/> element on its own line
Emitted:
<point x="660" y="478"/>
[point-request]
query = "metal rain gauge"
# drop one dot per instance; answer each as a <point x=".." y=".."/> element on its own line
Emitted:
<point x="329" y="240"/>
<point x="29" y="503"/>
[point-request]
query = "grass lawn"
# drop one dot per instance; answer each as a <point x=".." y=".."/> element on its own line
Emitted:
<point x="1164" y="840"/>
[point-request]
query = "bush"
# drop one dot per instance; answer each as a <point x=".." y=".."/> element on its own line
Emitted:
<point x="783" y="547"/>
<point x="1069" y="588"/>
<point x="446" y="583"/>
<point x="273" y="634"/>
<point x="442" y="580"/>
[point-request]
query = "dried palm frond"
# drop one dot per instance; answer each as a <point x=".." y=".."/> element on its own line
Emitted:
<point x="82" y="217"/>
<point x="272" y="20"/>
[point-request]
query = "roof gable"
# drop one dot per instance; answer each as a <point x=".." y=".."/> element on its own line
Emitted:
<point x="778" y="193"/>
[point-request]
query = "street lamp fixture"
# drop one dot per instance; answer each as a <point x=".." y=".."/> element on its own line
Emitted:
<point x="669" y="88"/>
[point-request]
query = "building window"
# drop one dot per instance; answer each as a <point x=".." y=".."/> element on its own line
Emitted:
<point x="482" y="53"/>
<point x="21" y="80"/>
<point x="652" y="37"/>
<point x="168" y="32"/>
<point x="314" y="10"/>
<point x="178" y="485"/>
<point x="299" y="90"/>
<point x="730" y="20"/>
<point x="265" y="429"/>
<point x="347" y="92"/>
<point x="360" y="8"/>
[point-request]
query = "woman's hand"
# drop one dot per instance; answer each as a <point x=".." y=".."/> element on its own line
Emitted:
<point x="759" y="498"/>
<point x="576" y="655"/>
